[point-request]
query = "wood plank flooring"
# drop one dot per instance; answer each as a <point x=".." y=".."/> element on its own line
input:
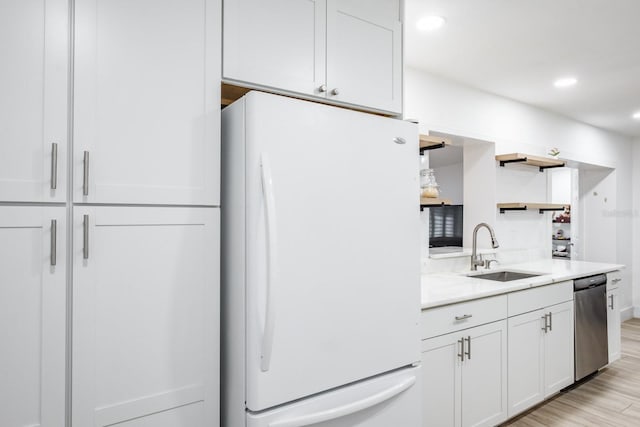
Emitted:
<point x="612" y="398"/>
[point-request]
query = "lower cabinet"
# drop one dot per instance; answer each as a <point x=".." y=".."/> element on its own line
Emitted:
<point x="145" y="316"/>
<point x="541" y="351"/>
<point x="32" y="316"/>
<point x="465" y="377"/>
<point x="613" y="324"/>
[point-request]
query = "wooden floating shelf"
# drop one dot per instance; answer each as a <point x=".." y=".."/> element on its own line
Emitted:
<point x="429" y="202"/>
<point x="540" y="162"/>
<point x="541" y="207"/>
<point x="429" y="142"/>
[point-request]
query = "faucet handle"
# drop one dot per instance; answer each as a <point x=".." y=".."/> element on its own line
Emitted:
<point x="487" y="263"/>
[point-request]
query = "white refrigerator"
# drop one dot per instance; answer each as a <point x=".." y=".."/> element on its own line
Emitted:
<point x="321" y="268"/>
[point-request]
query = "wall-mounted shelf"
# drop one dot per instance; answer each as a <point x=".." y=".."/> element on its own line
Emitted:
<point x="541" y="207"/>
<point x="540" y="162"/>
<point x="429" y="142"/>
<point x="428" y="202"/>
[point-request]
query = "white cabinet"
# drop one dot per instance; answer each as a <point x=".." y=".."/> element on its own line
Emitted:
<point x="145" y="316"/>
<point x="32" y="316"/>
<point x="541" y="352"/>
<point x="465" y="377"/>
<point x="613" y="315"/>
<point x="276" y="43"/>
<point x="34" y="46"/>
<point x="344" y="51"/>
<point x="364" y="53"/>
<point x="146" y="102"/>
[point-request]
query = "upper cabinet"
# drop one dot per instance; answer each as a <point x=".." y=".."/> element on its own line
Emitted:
<point x="146" y="102"/>
<point x="364" y="53"/>
<point x="34" y="46"/>
<point x="276" y="43"/>
<point x="343" y="51"/>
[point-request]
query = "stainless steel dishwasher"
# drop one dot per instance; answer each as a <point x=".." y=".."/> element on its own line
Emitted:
<point x="590" y="310"/>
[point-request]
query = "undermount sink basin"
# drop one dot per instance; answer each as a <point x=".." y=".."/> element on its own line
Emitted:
<point x="504" y="276"/>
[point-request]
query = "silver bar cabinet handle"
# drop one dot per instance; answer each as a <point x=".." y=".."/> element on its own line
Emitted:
<point x="54" y="241"/>
<point x="611" y="306"/>
<point x="545" y="323"/>
<point x="464" y="316"/>
<point x="85" y="237"/>
<point x="551" y="321"/>
<point x="54" y="166"/>
<point x="461" y="354"/>
<point x="85" y="176"/>
<point x="468" y="352"/>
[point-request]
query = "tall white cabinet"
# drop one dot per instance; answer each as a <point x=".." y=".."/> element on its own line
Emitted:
<point x="146" y="102"/>
<point x="34" y="47"/>
<point x="32" y="315"/>
<point x="122" y="324"/>
<point x="144" y="320"/>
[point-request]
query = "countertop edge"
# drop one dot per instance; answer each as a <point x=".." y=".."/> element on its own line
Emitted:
<point x="544" y="280"/>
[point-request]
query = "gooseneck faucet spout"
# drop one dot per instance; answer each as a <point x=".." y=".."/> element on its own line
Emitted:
<point x="477" y="260"/>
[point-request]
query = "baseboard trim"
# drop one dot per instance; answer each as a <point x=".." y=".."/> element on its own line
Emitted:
<point x="629" y="313"/>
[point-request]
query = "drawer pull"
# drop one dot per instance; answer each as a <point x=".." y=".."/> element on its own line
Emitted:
<point x="464" y="316"/>
<point x="616" y="280"/>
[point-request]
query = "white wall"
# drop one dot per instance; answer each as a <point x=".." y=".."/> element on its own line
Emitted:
<point x="445" y="106"/>
<point x="449" y="178"/>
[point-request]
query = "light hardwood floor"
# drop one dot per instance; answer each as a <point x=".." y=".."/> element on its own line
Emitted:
<point x="612" y="398"/>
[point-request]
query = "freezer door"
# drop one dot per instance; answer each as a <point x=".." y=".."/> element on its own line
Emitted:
<point x="333" y="270"/>
<point x="389" y="400"/>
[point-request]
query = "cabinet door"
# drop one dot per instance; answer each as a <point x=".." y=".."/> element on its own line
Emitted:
<point x="146" y="101"/>
<point x="32" y="316"/>
<point x="34" y="47"/>
<point x="613" y="324"/>
<point x="364" y="53"/>
<point x="145" y="316"/>
<point x="558" y="356"/>
<point x="484" y="375"/>
<point x="441" y="363"/>
<point x="526" y="361"/>
<point x="280" y="44"/>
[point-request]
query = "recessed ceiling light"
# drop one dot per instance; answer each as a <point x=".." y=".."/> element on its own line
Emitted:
<point x="565" y="82"/>
<point x="636" y="115"/>
<point x="430" y="23"/>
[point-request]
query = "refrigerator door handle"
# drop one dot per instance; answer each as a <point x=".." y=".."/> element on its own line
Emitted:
<point x="272" y="262"/>
<point x="350" y="408"/>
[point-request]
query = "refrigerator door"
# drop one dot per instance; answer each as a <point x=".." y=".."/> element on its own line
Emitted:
<point x="332" y="229"/>
<point x="389" y="400"/>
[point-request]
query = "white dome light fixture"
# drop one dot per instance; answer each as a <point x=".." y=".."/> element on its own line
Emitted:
<point x="565" y="82"/>
<point x="430" y="23"/>
<point x="636" y="115"/>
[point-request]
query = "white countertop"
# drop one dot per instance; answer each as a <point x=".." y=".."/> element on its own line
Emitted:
<point x="449" y="288"/>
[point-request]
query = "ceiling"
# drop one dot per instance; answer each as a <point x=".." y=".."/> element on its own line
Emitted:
<point x="518" y="48"/>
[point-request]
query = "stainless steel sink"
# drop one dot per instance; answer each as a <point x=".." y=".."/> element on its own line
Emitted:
<point x="504" y="276"/>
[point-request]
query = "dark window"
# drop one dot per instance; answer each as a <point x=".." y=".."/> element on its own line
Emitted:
<point x="445" y="226"/>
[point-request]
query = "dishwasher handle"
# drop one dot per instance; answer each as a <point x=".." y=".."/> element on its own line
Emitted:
<point x="589" y="282"/>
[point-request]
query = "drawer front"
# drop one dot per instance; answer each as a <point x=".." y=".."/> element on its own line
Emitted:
<point x="455" y="317"/>
<point x="614" y="279"/>
<point x="536" y="298"/>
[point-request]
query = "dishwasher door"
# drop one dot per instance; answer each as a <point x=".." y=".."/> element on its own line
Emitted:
<point x="591" y="342"/>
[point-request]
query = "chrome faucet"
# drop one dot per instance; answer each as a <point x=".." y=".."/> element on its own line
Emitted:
<point x="476" y="260"/>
